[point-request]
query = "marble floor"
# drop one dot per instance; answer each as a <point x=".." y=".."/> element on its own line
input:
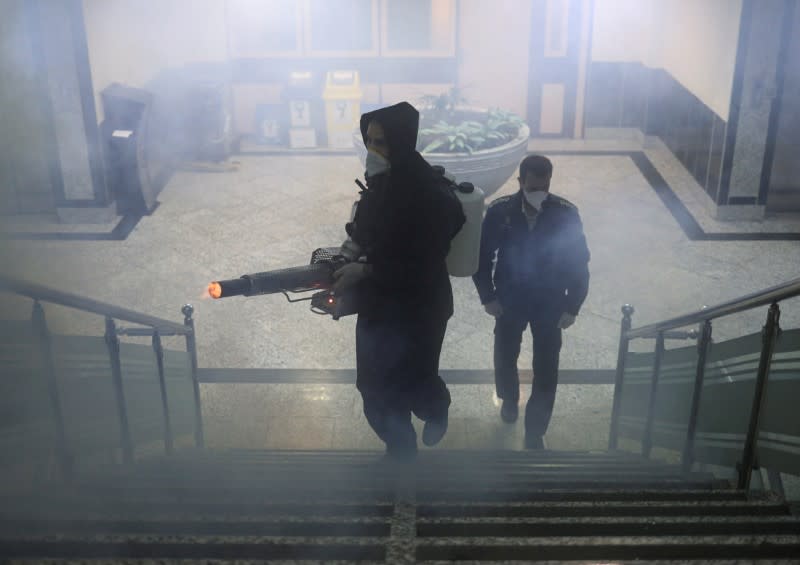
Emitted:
<point x="272" y="210"/>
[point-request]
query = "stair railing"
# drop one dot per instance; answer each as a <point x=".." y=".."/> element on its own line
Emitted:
<point x="703" y="318"/>
<point x="154" y="327"/>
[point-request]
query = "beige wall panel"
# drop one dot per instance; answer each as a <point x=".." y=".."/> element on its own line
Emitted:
<point x="494" y="53"/>
<point x="551" y="119"/>
<point x="622" y="30"/>
<point x="694" y="40"/>
<point x="132" y="41"/>
<point x="699" y="48"/>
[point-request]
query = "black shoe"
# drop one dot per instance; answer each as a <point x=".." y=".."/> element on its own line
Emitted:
<point x="509" y="412"/>
<point x="534" y="442"/>
<point x="434" y="431"/>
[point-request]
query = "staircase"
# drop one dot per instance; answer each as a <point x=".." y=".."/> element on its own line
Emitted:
<point x="201" y="505"/>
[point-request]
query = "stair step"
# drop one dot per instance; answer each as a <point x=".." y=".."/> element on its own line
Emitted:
<point x="559" y="495"/>
<point x="647" y="525"/>
<point x="617" y="548"/>
<point x="652" y="525"/>
<point x="375" y="549"/>
<point x="578" y="509"/>
<point x="157" y="525"/>
<point x="122" y="547"/>
<point x="143" y="508"/>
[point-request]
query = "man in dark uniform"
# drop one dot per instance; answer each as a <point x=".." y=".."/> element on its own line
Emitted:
<point x="402" y="228"/>
<point x="533" y="270"/>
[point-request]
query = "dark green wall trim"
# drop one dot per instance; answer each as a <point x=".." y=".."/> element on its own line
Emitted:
<point x="789" y="6"/>
<point x="736" y="101"/>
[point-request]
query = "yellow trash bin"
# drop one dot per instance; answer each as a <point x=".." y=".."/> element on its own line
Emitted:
<point x="342" y="96"/>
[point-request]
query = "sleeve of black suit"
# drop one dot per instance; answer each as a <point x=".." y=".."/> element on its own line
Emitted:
<point x="577" y="272"/>
<point x="490" y="242"/>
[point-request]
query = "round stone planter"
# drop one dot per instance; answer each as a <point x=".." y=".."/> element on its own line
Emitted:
<point x="488" y="168"/>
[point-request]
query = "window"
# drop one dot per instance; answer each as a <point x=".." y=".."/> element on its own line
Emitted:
<point x="344" y="26"/>
<point x="265" y="27"/>
<point x="418" y="28"/>
<point x="408" y="25"/>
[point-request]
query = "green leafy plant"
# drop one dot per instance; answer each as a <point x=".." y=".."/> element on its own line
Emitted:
<point x="446" y="128"/>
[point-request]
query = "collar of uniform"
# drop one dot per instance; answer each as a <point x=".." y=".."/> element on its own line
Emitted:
<point x="524" y="210"/>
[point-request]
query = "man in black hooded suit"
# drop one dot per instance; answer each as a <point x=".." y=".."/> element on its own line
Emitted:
<point x="403" y="226"/>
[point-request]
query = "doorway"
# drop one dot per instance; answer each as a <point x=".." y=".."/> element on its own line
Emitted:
<point x="558" y="64"/>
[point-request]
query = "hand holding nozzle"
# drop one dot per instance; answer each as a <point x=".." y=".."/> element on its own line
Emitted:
<point x="347" y="275"/>
<point x="350" y="250"/>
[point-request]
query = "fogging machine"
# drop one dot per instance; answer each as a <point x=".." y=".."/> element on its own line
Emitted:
<point x="316" y="276"/>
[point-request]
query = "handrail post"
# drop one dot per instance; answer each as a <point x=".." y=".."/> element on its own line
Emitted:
<point x="159" y="352"/>
<point x="625" y="325"/>
<point x="768" y="335"/>
<point x="687" y="459"/>
<point x="112" y="342"/>
<point x="45" y="344"/>
<point x="191" y="347"/>
<point x="647" y="436"/>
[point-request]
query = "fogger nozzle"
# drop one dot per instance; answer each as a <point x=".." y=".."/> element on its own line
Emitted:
<point x="224" y="289"/>
<point x="293" y="279"/>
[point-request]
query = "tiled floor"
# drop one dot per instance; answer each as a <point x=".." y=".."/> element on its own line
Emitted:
<point x="274" y="210"/>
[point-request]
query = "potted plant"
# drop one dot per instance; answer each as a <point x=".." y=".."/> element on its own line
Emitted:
<point x="483" y="146"/>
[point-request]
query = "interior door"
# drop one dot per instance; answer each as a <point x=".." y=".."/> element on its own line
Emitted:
<point x="559" y="49"/>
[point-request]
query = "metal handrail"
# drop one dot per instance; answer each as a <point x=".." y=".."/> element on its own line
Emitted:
<point x="156" y="328"/>
<point x="762" y="298"/>
<point x="47" y="294"/>
<point x="660" y="330"/>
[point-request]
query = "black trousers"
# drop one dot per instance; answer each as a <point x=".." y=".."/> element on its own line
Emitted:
<point x="543" y="320"/>
<point x="398" y="374"/>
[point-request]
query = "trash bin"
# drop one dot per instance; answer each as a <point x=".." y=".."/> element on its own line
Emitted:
<point x="342" y="96"/>
<point x="131" y="154"/>
<point x="304" y="109"/>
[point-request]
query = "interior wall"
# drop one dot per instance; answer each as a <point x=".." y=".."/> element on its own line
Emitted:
<point x="784" y="191"/>
<point x="25" y="184"/>
<point x="493" y="43"/>
<point x="621" y="30"/>
<point x="694" y="41"/>
<point x="132" y="42"/>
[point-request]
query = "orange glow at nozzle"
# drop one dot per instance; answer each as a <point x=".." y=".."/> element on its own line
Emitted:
<point x="215" y="290"/>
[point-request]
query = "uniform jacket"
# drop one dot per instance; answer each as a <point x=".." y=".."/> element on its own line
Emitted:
<point x="517" y="263"/>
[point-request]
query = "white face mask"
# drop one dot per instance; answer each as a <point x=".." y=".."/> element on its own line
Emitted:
<point x="376" y="164"/>
<point x="535" y="198"/>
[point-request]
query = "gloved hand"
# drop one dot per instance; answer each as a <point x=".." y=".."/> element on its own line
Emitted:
<point x="493" y="308"/>
<point x="565" y="321"/>
<point x="350" y="250"/>
<point x="347" y="275"/>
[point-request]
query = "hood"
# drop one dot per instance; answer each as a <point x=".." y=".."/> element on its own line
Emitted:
<point x="400" y="124"/>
